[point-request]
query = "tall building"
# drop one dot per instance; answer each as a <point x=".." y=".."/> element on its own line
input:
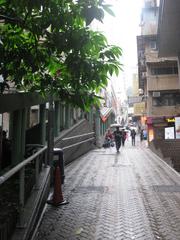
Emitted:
<point x="158" y="76"/>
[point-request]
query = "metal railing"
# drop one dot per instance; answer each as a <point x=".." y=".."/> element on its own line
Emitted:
<point x="79" y="139"/>
<point x="36" y="159"/>
<point x="76" y="144"/>
<point x="35" y="162"/>
<point x="78" y="136"/>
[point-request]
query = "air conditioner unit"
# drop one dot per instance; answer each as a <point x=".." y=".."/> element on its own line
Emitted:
<point x="156" y="94"/>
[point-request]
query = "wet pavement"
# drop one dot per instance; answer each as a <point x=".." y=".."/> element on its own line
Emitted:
<point x="126" y="195"/>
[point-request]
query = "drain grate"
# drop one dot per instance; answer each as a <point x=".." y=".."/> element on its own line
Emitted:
<point x="166" y="188"/>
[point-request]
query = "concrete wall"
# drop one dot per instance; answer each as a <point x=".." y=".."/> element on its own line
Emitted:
<point x="161" y="110"/>
<point x="163" y="82"/>
<point x="72" y="153"/>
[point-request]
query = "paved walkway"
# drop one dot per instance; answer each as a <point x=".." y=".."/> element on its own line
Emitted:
<point x="130" y="195"/>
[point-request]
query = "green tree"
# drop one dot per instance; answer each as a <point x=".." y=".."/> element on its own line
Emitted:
<point x="48" y="46"/>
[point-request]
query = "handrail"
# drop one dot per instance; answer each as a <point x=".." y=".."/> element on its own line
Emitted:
<point x="18" y="167"/>
<point x="77" y="136"/>
<point x="73" y="145"/>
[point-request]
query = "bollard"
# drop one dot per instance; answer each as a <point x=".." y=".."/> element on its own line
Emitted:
<point x="58" y="161"/>
<point x="58" y="153"/>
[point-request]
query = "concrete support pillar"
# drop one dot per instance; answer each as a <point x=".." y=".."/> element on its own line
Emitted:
<point x="98" y="128"/>
<point x="76" y="114"/>
<point x="50" y="132"/>
<point x="101" y="124"/>
<point x="82" y="114"/>
<point x="23" y="132"/>
<point x="11" y="125"/>
<point x="105" y="125"/>
<point x="70" y="116"/>
<point x="87" y="114"/>
<point x="91" y="117"/>
<point x="42" y="122"/>
<point x="62" y="116"/>
<point x="67" y="116"/>
<point x="109" y="121"/>
<point x="57" y="119"/>
<point x="18" y="135"/>
<point x="28" y="117"/>
<point x="104" y="129"/>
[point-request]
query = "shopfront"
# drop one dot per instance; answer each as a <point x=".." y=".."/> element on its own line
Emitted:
<point x="161" y="128"/>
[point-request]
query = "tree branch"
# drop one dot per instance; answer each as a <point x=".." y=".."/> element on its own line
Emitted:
<point x="15" y="20"/>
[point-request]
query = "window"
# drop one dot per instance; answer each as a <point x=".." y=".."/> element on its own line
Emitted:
<point x="152" y="44"/>
<point x="164" y="70"/>
<point x="167" y="100"/>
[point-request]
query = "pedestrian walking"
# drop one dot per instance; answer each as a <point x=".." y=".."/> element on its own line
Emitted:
<point x="141" y="135"/>
<point x="133" y="137"/>
<point x="118" y="138"/>
<point x="145" y="134"/>
<point x="123" y="137"/>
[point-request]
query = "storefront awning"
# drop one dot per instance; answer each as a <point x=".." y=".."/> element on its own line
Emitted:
<point x="104" y="113"/>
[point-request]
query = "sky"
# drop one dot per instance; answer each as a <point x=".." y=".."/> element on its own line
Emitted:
<point x="122" y="30"/>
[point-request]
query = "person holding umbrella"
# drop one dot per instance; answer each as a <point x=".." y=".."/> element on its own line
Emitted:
<point x="118" y="138"/>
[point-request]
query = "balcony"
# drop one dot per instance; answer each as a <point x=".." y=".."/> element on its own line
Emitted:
<point x="151" y="56"/>
<point x="164" y="111"/>
<point x="163" y="82"/>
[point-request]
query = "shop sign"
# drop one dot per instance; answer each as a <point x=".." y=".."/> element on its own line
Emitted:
<point x="134" y="99"/>
<point x="177" y="127"/>
<point x="169" y="133"/>
<point x="170" y="120"/>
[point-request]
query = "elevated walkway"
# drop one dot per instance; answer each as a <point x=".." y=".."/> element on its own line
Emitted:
<point x="130" y="195"/>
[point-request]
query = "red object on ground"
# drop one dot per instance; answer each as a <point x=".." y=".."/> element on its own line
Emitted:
<point x="57" y="198"/>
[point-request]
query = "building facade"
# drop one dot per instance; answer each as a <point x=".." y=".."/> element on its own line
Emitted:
<point x="158" y="76"/>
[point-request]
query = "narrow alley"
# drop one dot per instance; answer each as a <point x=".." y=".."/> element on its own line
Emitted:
<point x="128" y="195"/>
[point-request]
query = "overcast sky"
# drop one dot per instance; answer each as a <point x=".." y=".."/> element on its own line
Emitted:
<point x="122" y="31"/>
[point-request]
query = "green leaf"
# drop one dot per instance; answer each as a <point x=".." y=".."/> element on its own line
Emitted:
<point x="48" y="46"/>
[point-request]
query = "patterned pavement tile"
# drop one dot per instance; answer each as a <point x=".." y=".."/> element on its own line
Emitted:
<point x="130" y="195"/>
